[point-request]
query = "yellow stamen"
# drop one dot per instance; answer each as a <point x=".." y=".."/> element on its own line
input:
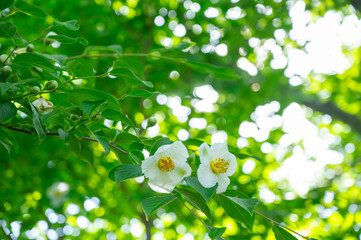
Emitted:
<point x="219" y="165"/>
<point x="166" y="164"/>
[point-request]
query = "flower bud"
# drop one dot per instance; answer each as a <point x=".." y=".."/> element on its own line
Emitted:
<point x="30" y="48"/>
<point x="3" y="58"/>
<point x="6" y="71"/>
<point x="74" y="117"/>
<point x="43" y="106"/>
<point x="51" y="85"/>
<point x="35" y="89"/>
<point x="14" y="78"/>
<point x="151" y="122"/>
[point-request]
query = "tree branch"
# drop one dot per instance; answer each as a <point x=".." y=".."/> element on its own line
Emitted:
<point x="57" y="134"/>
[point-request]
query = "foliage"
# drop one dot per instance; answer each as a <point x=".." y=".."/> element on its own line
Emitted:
<point x="90" y="89"/>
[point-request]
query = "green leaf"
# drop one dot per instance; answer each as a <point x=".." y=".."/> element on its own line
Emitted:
<point x="68" y="40"/>
<point x="87" y="94"/>
<point x="125" y="137"/>
<point x="7" y="110"/>
<point x="131" y="63"/>
<point x="245" y="155"/>
<point x="7" y="30"/>
<point x="141" y="93"/>
<point x="192" y="141"/>
<point x="222" y="73"/>
<point x="33" y="60"/>
<point x="36" y="122"/>
<point x="237" y="212"/>
<point x="117" y="116"/>
<point x="80" y="68"/>
<point x="90" y="106"/>
<point x="5" y="86"/>
<point x="137" y="156"/>
<point x="216" y="233"/>
<point x="196" y="201"/>
<point x="5" y="4"/>
<point x="82" y="150"/>
<point x="282" y="234"/>
<point x="117" y="48"/>
<point x="91" y="50"/>
<point x="184" y="45"/>
<point x="206" y="193"/>
<point x="153" y="203"/>
<point x="125" y="172"/>
<point x="63" y="135"/>
<point x="30" y="9"/>
<point x="157" y="144"/>
<point x="71" y="24"/>
<point x="247" y="204"/>
<point x="130" y="76"/>
<point x="103" y="141"/>
<point x="60" y="59"/>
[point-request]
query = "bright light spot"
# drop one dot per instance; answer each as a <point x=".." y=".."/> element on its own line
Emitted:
<point x="199" y="123"/>
<point x="219" y="137"/>
<point x="172" y="14"/>
<point x="167" y="42"/>
<point x="211" y="12"/>
<point x="242" y="142"/>
<point x="266" y="195"/>
<point x="68" y="230"/>
<point x="295" y="81"/>
<point x="187" y="236"/>
<point x="183" y="135"/>
<point x="162" y="99"/>
<point x="52" y="234"/>
<point x="82" y="222"/>
<point x="159" y="21"/>
<point x="349" y="148"/>
<point x="206" y="92"/>
<point x="254" y="42"/>
<point x="244" y="64"/>
<point x="111" y="236"/>
<point x="180" y="30"/>
<point x="222" y="50"/>
<point x="91" y="203"/>
<point x="235" y="13"/>
<point x="42" y="225"/>
<point x="266" y="147"/>
<point x="197" y="29"/>
<point x="174" y="75"/>
<point x="195" y="7"/>
<point x="72" y="209"/>
<point x="248" y="166"/>
<point x="136" y="227"/>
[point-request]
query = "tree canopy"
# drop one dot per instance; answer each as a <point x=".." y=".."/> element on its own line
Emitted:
<point x="180" y="119"/>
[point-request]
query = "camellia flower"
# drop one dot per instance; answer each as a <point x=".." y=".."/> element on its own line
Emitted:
<point x="217" y="164"/>
<point x="43" y="106"/>
<point x="167" y="167"/>
<point x="57" y="193"/>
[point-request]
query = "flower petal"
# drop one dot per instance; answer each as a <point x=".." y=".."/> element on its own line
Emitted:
<point x="232" y="160"/>
<point x="178" y="152"/>
<point x="149" y="167"/>
<point x="223" y="182"/>
<point x="204" y="153"/>
<point x="205" y="176"/>
<point x="219" y="149"/>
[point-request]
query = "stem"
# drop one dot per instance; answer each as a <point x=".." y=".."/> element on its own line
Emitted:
<point x="279" y="224"/>
<point x="4" y="234"/>
<point x="195" y="215"/>
<point x="57" y="134"/>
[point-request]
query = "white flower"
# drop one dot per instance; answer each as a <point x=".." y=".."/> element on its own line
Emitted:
<point x="57" y="193"/>
<point x="43" y="106"/>
<point x="167" y="167"/>
<point x="217" y="164"/>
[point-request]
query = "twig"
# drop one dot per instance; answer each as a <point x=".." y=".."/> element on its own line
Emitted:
<point x="4" y="234"/>
<point x="279" y="224"/>
<point x="57" y="134"/>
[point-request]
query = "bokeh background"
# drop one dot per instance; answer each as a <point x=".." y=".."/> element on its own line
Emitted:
<point x="296" y="107"/>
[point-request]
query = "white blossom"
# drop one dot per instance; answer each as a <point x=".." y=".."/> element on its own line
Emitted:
<point x="167" y="167"/>
<point x="57" y="193"/>
<point x="43" y="106"/>
<point x="217" y="164"/>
